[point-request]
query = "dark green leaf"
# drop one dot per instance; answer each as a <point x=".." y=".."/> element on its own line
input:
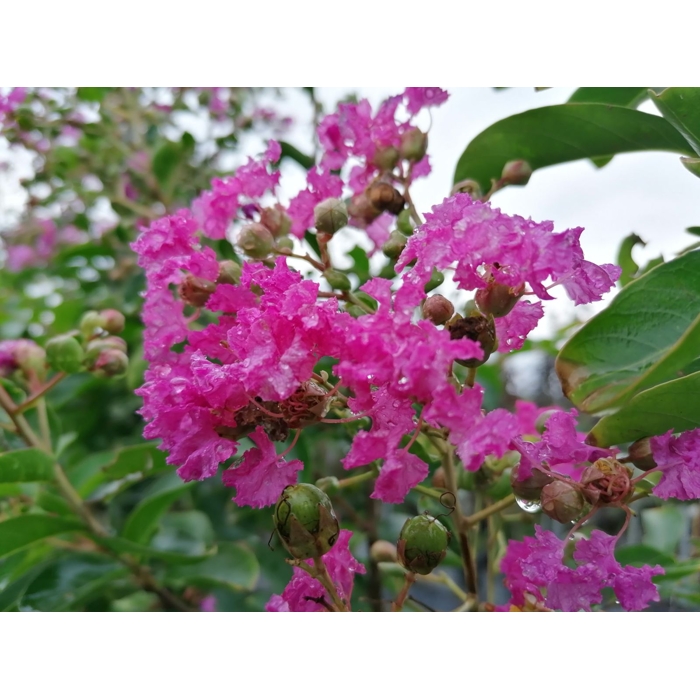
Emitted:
<point x="681" y="106"/>
<point x="24" y="530"/>
<point x="93" y="94"/>
<point x="692" y="165"/>
<point x="122" y="546"/>
<point x="673" y="406"/>
<point x="289" y="151"/>
<point x="640" y="554"/>
<point x="31" y="464"/>
<point x="621" y="96"/>
<point x="650" y="332"/>
<point x="361" y="266"/>
<point x="143" y="458"/>
<point x="13" y="592"/>
<point x="625" y="259"/>
<point x="562" y="133"/>
<point x="694" y="230"/>
<point x="165" y="161"/>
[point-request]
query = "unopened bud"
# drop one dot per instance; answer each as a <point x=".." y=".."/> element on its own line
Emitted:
<point x="24" y="355"/>
<point x="337" y="280"/>
<point x="276" y="220"/>
<point x="439" y="479"/>
<point x="470" y="187"/>
<point x="422" y="544"/>
<point x="285" y="244"/>
<point x="256" y="241"/>
<point x="562" y="502"/>
<point x="607" y="481"/>
<point x="110" y="342"/>
<point x="386" y="158"/>
<point x="384" y="197"/>
<point x="196" y="291"/>
<point x="112" y="321"/>
<point x="641" y="455"/>
<point x="229" y="272"/>
<point x="328" y="484"/>
<point x="541" y="422"/>
<point x="65" y="354"/>
<point x="90" y="324"/>
<point x="414" y="145"/>
<point x="516" y="172"/>
<point x="110" y="363"/>
<point x="395" y="245"/>
<point x="478" y="328"/>
<point x="305" y="521"/>
<point x="330" y="216"/>
<point x="436" y="279"/>
<point x="404" y="223"/>
<point x="530" y="488"/>
<point x="361" y="208"/>
<point x="498" y="299"/>
<point x="383" y="551"/>
<point x="437" y="309"/>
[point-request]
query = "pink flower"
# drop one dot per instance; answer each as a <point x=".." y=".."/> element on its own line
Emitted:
<point x="678" y="460"/>
<point x="513" y="329"/>
<point x="424" y="97"/>
<point x="301" y="591"/>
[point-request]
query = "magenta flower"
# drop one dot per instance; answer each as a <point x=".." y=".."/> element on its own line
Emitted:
<point x="678" y="460"/>
<point x="420" y="97"/>
<point x="513" y="329"/>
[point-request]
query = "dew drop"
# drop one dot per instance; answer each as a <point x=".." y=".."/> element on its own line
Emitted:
<point x="528" y="506"/>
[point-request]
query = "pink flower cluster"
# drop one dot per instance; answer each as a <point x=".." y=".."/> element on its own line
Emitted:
<point x="35" y="243"/>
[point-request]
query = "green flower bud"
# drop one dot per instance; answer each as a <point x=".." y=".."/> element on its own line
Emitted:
<point x="562" y="502"/>
<point x="470" y="187"/>
<point x="328" y="484"/>
<point x="110" y="363"/>
<point x="383" y="551"/>
<point x="498" y="299"/>
<point x="395" y="245"/>
<point x="330" y="216"/>
<point x="255" y="241"/>
<point x="529" y="489"/>
<point x="516" y="172"/>
<point x="414" y="145"/>
<point x="285" y="244"/>
<point x="112" y="321"/>
<point x="436" y="279"/>
<point x="305" y="521"/>
<point x="29" y="358"/>
<point x="422" y="544"/>
<point x="196" y="291"/>
<point x="386" y="158"/>
<point x="385" y="197"/>
<point x="229" y="272"/>
<point x="477" y="327"/>
<point x="437" y="309"/>
<point x="641" y="455"/>
<point x="90" y="324"/>
<point x="65" y="354"/>
<point x="404" y="223"/>
<point x="276" y="220"/>
<point x="337" y="280"/>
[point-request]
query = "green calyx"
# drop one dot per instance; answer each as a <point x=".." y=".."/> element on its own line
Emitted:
<point x="305" y="521"/>
<point x="422" y="544"/>
<point x="65" y="354"/>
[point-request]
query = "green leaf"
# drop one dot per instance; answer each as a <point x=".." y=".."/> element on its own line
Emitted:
<point x="563" y="133"/>
<point x="166" y="161"/>
<point x="289" y="151"/>
<point x="70" y="581"/>
<point x="143" y="520"/>
<point x="691" y="165"/>
<point x="673" y="406"/>
<point x="663" y="527"/>
<point x="122" y="546"/>
<point x="693" y="230"/>
<point x="234" y="567"/>
<point x="17" y="533"/>
<point x="13" y="592"/>
<point x="144" y="457"/>
<point x="93" y="94"/>
<point x="681" y="106"/>
<point x="27" y="465"/>
<point x="361" y="266"/>
<point x="650" y="332"/>
<point x="621" y="96"/>
<point x="640" y="554"/>
<point x="625" y="259"/>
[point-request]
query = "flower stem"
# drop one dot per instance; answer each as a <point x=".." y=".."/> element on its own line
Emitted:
<point x="397" y="605"/>
<point x="471" y="520"/>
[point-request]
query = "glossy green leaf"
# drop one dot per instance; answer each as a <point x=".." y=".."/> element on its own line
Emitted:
<point x="143" y="520"/>
<point x="692" y="165"/>
<point x="681" y="107"/>
<point x="13" y="592"/>
<point x="234" y="567"/>
<point x="27" y="465"/>
<point x="293" y="153"/>
<point x="625" y="259"/>
<point x="123" y="546"/>
<point x="145" y="458"/>
<point x="649" y="333"/>
<point x="361" y="264"/>
<point x="664" y="527"/>
<point x="563" y="133"/>
<point x="17" y="533"/>
<point x="93" y="94"/>
<point x="621" y="96"/>
<point x="674" y="405"/>
<point x="640" y="554"/>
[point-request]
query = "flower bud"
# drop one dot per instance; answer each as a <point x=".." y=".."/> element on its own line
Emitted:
<point x="436" y="279"/>
<point x="305" y="521"/>
<point x="112" y="321"/>
<point x="276" y="220"/>
<point x="110" y="342"/>
<point x="470" y="187"/>
<point x="110" y="363"/>
<point x="530" y="488"/>
<point x="607" y="481"/>
<point x="65" y="354"/>
<point x="285" y="244"/>
<point x="414" y="145"/>
<point x="386" y="158"/>
<point x="337" y="280"/>
<point x="541" y="422"/>
<point x="255" y="241"/>
<point x="196" y="291"/>
<point x="422" y="544"/>
<point x="641" y="455"/>
<point x="516" y="172"/>
<point x="384" y="197"/>
<point x="395" y="245"/>
<point x="330" y="216"/>
<point x="229" y="272"/>
<point x="90" y="324"/>
<point x="437" y="309"/>
<point x="383" y="551"/>
<point x="404" y="223"/>
<point x="498" y="299"/>
<point x="477" y="327"/>
<point x="562" y="502"/>
<point x="24" y="355"/>
<point x="439" y="480"/>
<point x="328" y="484"/>
<point x="361" y="208"/>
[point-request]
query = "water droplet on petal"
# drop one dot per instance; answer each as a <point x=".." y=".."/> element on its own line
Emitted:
<point x="528" y="506"/>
